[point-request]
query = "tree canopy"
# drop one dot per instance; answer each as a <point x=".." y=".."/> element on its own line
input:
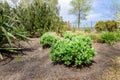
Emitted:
<point x="80" y="8"/>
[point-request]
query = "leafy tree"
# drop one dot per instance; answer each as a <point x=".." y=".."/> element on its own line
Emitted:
<point x="80" y="8"/>
<point x="114" y="9"/>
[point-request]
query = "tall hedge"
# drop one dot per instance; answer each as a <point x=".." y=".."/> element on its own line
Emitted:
<point x="39" y="17"/>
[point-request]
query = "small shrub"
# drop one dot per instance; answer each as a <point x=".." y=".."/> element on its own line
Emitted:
<point x="81" y="32"/>
<point x="95" y="37"/>
<point x="76" y="51"/>
<point x="68" y="35"/>
<point x="48" y="39"/>
<point x="88" y="29"/>
<point x="117" y="34"/>
<point x="112" y="25"/>
<point x="108" y="37"/>
<point x="100" y="26"/>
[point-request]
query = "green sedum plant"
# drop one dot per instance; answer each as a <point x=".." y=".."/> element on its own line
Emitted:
<point x="76" y="51"/>
<point x="49" y="39"/>
<point x="68" y="35"/>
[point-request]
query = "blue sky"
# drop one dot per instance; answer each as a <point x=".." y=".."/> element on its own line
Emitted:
<point x="100" y="10"/>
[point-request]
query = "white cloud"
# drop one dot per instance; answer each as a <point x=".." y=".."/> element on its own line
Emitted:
<point x="96" y="3"/>
<point x="64" y="10"/>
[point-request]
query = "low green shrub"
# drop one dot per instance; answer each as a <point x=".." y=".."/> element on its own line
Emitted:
<point x="87" y="29"/>
<point x="48" y="39"/>
<point x="76" y="51"/>
<point x="117" y="34"/>
<point x="68" y="35"/>
<point x="108" y="37"/>
<point x="95" y="37"/>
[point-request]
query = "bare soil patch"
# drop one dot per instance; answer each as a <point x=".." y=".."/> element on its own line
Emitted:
<point x="36" y="65"/>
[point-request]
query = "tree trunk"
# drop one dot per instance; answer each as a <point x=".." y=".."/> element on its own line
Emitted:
<point x="79" y="20"/>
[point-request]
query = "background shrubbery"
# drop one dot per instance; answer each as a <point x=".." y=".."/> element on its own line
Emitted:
<point x="110" y="25"/>
<point x="94" y="37"/>
<point x="100" y="26"/>
<point x="110" y="37"/>
<point x="88" y="29"/>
